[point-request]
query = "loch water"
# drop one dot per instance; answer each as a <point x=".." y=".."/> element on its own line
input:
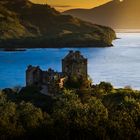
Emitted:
<point x="119" y="65"/>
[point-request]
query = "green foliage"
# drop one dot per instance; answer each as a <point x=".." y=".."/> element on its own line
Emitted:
<point x="100" y="112"/>
<point x="77" y="83"/>
<point x="29" y="115"/>
<point x="106" y="87"/>
<point x="32" y="94"/>
<point x="16" y="119"/>
<point x="122" y="124"/>
<point x="78" y="117"/>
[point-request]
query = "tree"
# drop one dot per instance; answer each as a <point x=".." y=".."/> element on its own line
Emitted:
<point x="30" y="116"/>
<point x="77" y="83"/>
<point x="105" y="86"/>
<point x="121" y="126"/>
<point x="78" y="119"/>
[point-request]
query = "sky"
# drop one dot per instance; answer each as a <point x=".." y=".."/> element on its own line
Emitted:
<point x="62" y="5"/>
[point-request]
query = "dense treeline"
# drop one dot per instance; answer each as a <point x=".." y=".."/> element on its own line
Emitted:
<point x="99" y="112"/>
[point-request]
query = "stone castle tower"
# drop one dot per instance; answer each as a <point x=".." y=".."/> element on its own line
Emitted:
<point x="33" y="75"/>
<point x="74" y="65"/>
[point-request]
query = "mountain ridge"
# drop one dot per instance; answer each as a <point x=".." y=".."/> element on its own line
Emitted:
<point x="116" y="14"/>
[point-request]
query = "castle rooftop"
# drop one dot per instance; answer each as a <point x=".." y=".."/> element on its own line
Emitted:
<point x="74" y="55"/>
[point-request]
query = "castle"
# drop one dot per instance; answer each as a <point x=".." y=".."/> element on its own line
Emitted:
<point x="73" y="65"/>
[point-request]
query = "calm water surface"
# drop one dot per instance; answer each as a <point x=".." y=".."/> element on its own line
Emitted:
<point x="119" y="65"/>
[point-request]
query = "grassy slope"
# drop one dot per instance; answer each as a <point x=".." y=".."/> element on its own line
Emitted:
<point x="28" y="24"/>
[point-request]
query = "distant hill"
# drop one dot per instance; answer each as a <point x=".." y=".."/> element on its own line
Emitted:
<point x="116" y="14"/>
<point x="25" y="24"/>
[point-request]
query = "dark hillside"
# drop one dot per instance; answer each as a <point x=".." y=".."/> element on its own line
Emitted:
<point x="27" y="24"/>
